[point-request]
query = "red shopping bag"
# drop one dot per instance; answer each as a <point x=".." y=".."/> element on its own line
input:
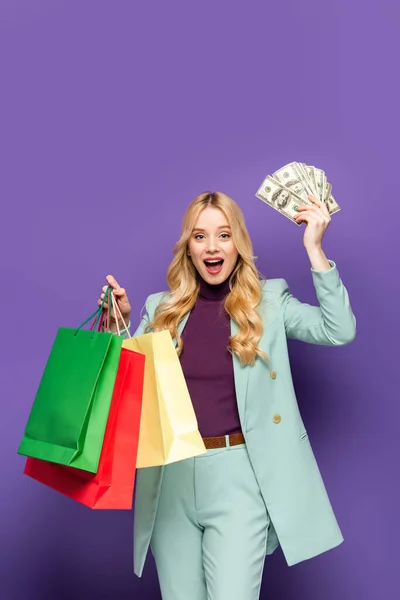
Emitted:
<point x="112" y="486"/>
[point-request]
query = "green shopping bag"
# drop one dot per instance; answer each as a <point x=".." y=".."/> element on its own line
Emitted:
<point x="69" y="414"/>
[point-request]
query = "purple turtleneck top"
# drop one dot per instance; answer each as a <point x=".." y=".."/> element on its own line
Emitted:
<point x="207" y="365"/>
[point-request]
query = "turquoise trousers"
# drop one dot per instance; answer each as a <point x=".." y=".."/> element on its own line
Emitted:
<point x="210" y="533"/>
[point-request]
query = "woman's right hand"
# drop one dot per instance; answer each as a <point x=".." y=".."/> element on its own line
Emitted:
<point x="122" y="300"/>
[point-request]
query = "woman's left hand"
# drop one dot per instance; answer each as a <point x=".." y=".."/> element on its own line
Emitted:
<point x="317" y="217"/>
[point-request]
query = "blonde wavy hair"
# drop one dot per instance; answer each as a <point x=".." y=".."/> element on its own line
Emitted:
<point x="244" y="282"/>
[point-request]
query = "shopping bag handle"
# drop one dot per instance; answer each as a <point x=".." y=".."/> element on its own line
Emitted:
<point x="100" y="311"/>
<point x="104" y="320"/>
<point x="99" y="326"/>
<point x="96" y="314"/>
<point x="117" y="309"/>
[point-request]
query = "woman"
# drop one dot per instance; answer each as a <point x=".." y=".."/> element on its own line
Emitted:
<point x="210" y="520"/>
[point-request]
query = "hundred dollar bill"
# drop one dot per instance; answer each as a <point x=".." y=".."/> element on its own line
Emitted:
<point x="310" y="175"/>
<point x="332" y="206"/>
<point x="293" y="178"/>
<point x="330" y="201"/>
<point x="301" y="170"/>
<point x="319" y="180"/>
<point x="284" y="200"/>
<point x="328" y="189"/>
<point x="324" y="184"/>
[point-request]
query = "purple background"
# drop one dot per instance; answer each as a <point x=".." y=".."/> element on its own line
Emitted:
<point x="114" y="116"/>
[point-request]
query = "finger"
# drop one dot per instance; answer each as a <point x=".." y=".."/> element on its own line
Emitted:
<point x="105" y="305"/>
<point x="312" y="210"/>
<point x="112" y="281"/>
<point x="304" y="213"/>
<point x="309" y="216"/>
<point x="308" y="207"/>
<point x="119" y="292"/>
<point x="315" y="200"/>
<point x="313" y="207"/>
<point x="101" y="300"/>
<point x="319" y="203"/>
<point x="312" y="221"/>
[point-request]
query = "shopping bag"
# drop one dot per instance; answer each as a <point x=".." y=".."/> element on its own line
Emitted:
<point x="113" y="484"/>
<point x="168" y="428"/>
<point x="68" y="418"/>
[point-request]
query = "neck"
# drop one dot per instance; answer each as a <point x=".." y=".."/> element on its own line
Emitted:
<point x="213" y="291"/>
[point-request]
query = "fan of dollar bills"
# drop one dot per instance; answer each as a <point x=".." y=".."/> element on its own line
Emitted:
<point x="291" y="185"/>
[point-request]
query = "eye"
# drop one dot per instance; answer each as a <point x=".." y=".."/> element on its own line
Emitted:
<point x="196" y="236"/>
<point x="227" y="234"/>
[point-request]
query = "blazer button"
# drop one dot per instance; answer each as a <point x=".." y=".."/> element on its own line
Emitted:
<point x="276" y="418"/>
<point x="273" y="374"/>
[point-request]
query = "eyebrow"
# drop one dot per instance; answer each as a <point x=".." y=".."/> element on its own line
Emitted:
<point x="221" y="227"/>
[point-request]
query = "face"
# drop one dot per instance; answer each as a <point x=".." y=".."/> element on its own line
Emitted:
<point x="212" y="239"/>
<point x="283" y="196"/>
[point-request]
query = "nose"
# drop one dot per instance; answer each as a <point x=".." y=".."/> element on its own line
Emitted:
<point x="212" y="244"/>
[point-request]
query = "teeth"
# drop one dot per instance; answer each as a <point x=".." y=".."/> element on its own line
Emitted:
<point x="212" y="262"/>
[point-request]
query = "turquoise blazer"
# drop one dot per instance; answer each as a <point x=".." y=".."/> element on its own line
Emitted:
<point x="302" y="519"/>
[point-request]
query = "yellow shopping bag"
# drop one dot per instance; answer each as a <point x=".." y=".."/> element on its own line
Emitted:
<point x="168" y="426"/>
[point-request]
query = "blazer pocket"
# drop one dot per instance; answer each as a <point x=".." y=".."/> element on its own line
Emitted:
<point x="304" y="435"/>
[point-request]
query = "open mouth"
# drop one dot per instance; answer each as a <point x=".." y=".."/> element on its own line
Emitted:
<point x="213" y="266"/>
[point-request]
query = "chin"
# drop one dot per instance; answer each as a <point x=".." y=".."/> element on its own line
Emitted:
<point x="216" y="278"/>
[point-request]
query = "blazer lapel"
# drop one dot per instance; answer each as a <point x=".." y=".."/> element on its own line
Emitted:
<point x="181" y="325"/>
<point x="241" y="376"/>
<point x="241" y="373"/>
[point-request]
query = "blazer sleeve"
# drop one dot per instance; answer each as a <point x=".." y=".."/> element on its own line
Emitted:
<point x="332" y="323"/>
<point x="144" y="321"/>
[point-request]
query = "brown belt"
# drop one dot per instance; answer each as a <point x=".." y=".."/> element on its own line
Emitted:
<point x="220" y="441"/>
